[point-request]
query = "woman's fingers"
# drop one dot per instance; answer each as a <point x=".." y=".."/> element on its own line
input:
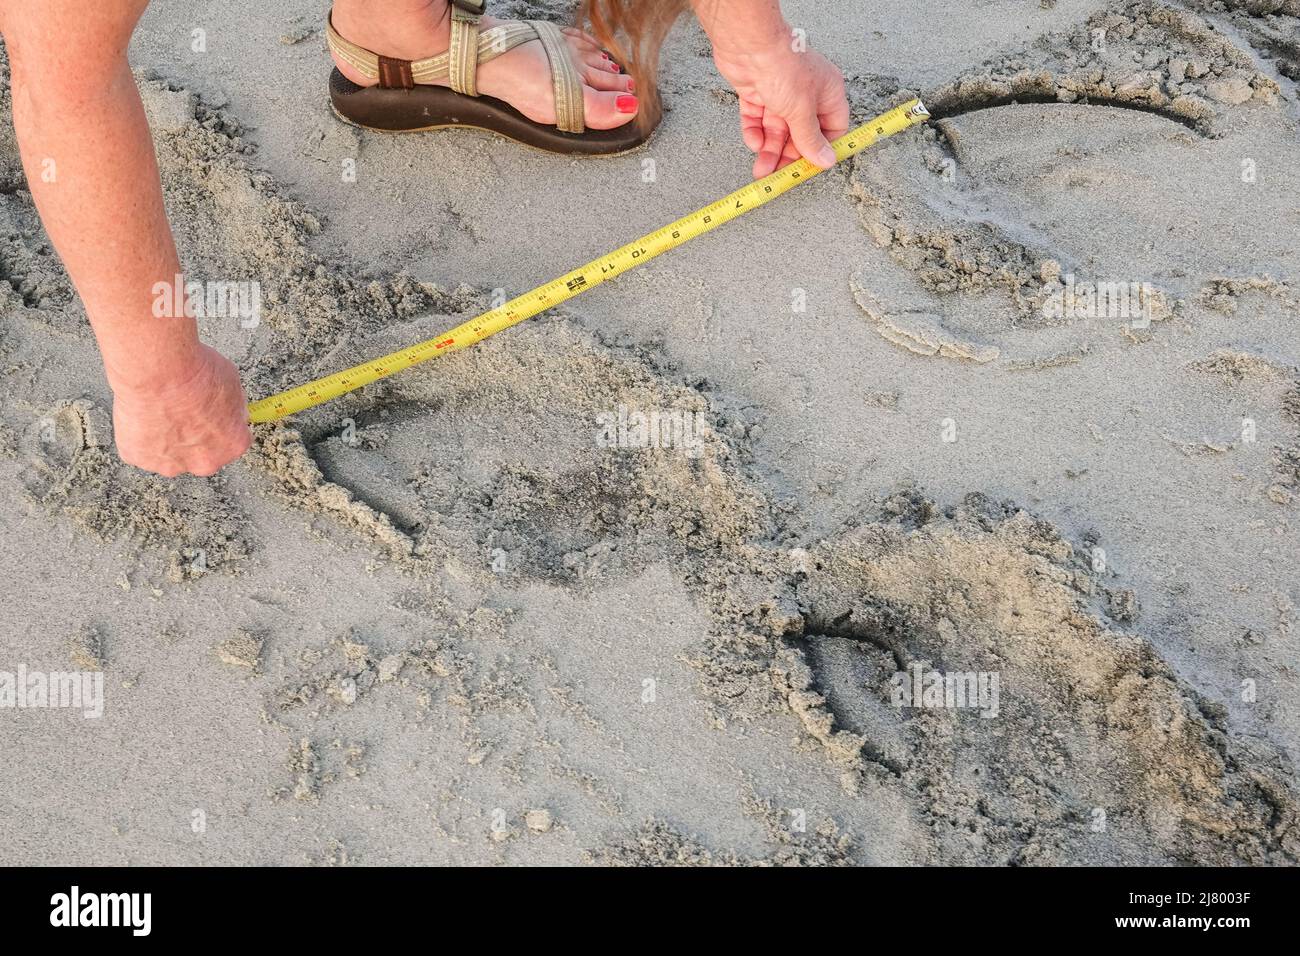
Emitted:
<point x="195" y="427"/>
<point x="833" y="125"/>
<point x="785" y="117"/>
<point x="833" y="107"/>
<point x="806" y="133"/>
<point x="751" y="125"/>
<point x="789" y="154"/>
<point x="775" y="135"/>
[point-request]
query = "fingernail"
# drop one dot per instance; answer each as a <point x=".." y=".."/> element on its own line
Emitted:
<point x="615" y="67"/>
<point x="625" y="104"/>
<point x="827" y="156"/>
<point x="604" y="55"/>
<point x="631" y="85"/>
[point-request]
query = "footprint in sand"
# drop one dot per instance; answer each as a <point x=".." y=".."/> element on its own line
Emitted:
<point x="1044" y="731"/>
<point x="1079" y="193"/>
<point x="522" y="458"/>
<point x="52" y="445"/>
<point x="70" y="468"/>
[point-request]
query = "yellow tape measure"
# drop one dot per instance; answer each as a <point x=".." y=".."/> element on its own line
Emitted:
<point x="600" y="270"/>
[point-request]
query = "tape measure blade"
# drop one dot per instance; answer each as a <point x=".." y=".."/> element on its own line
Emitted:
<point x="560" y="290"/>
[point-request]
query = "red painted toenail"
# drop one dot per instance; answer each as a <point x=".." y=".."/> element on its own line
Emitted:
<point x="626" y="104"/>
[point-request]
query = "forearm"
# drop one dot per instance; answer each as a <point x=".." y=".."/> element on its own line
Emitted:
<point x="742" y="26"/>
<point x="90" y="165"/>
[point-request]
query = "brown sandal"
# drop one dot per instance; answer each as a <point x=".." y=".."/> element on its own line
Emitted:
<point x="408" y="97"/>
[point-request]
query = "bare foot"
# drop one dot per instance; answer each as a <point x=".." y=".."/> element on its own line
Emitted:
<point x="521" y="77"/>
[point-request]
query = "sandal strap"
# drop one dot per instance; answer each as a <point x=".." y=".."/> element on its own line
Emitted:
<point x="471" y="46"/>
<point x="462" y="68"/>
<point x="491" y="44"/>
<point x="569" y="116"/>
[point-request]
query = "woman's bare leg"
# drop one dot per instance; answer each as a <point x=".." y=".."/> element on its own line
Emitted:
<point x="90" y="165"/>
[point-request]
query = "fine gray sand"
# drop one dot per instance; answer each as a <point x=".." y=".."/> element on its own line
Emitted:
<point x="441" y="621"/>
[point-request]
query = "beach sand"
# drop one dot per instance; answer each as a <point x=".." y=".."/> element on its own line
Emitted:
<point x="446" y="620"/>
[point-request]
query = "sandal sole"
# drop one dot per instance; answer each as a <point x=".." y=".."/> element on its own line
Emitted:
<point x="424" y="108"/>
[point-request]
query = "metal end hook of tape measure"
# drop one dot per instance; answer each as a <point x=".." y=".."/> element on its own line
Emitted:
<point x="600" y="270"/>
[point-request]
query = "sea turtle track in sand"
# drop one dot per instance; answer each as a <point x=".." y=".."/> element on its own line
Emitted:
<point x="1098" y="750"/>
<point x="952" y="204"/>
<point x="985" y="93"/>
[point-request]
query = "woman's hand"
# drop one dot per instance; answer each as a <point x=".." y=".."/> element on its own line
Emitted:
<point x="195" y="426"/>
<point x="791" y="104"/>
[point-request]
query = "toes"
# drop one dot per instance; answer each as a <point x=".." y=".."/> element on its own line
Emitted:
<point x="600" y="62"/>
<point x="580" y="38"/>
<point x="609" y="62"/>
<point x="587" y="51"/>
<point x="602" y="79"/>
<point x="608" y="109"/>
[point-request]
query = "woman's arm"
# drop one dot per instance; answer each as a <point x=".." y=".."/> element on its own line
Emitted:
<point x="178" y="406"/>
<point x="792" y="99"/>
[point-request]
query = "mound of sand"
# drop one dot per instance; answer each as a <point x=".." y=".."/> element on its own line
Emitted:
<point x="1272" y="26"/>
<point x="1095" y="749"/>
<point x="1146" y="55"/>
